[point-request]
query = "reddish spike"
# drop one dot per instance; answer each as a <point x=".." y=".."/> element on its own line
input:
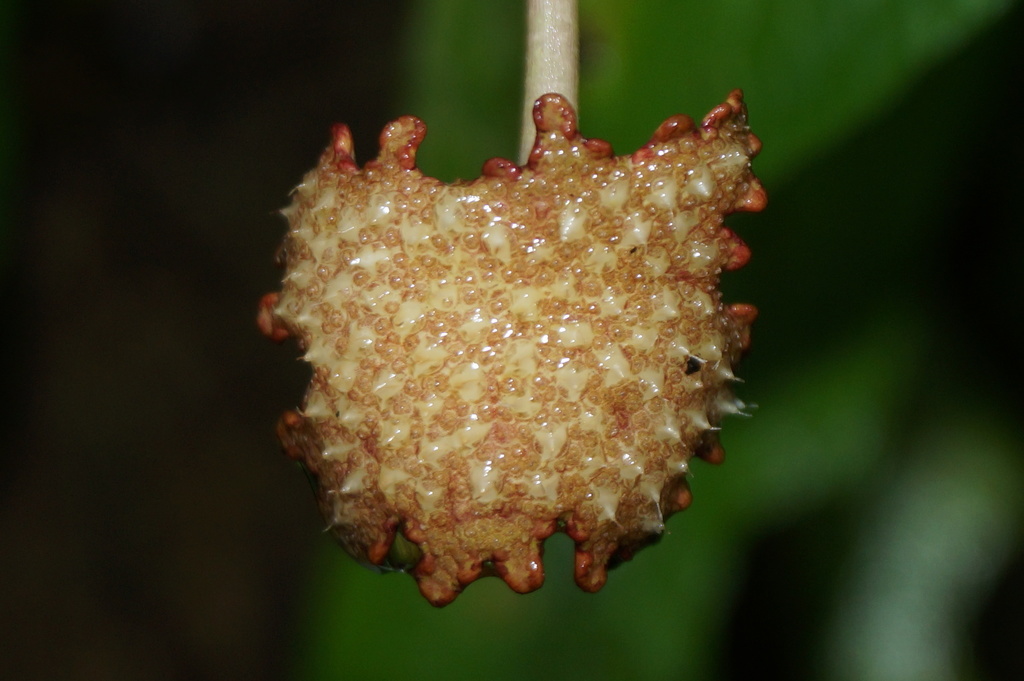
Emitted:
<point x="400" y="140"/>
<point x="590" y="575"/>
<point x="523" y="573"/>
<point x="713" y="453"/>
<point x="599" y="148"/>
<point x="672" y="128"/>
<point x="682" y="497"/>
<point x="288" y="426"/>
<point x="739" y="254"/>
<point x="755" y="200"/>
<point x="377" y="552"/>
<point x="755" y="144"/>
<point x="553" y="113"/>
<point x="502" y="167"/>
<point x="731" y="108"/>
<point x="742" y="312"/>
<point x="268" y="322"/>
<point x="344" y="148"/>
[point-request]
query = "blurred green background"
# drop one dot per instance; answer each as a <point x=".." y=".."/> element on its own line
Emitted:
<point x="867" y="523"/>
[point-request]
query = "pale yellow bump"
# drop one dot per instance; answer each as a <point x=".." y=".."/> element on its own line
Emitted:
<point x="572" y="380"/>
<point x="448" y="213"/>
<point x="575" y="334"/>
<point x="524" y="302"/>
<point x="663" y="193"/>
<point x="607" y="502"/>
<point x="612" y="303"/>
<point x="592" y="465"/>
<point x="683" y="224"/>
<point x="468" y="435"/>
<point x="300" y="278"/>
<point x="390" y="478"/>
<point x="344" y="376"/>
<point x="354" y="482"/>
<point x="652" y="381"/>
<point x="430" y="406"/>
<point x="415" y="234"/>
<point x="701" y="183"/>
<point x="678" y="349"/>
<point x="724" y="370"/>
<point x="643" y="338"/>
<point x="637" y="230"/>
<point x="666" y="306"/>
<point x="699" y="303"/>
<point x="726" y="404"/>
<point x="523" y="406"/>
<point x="702" y="254"/>
<point x="697" y="418"/>
<point x="472" y="330"/>
<point x="678" y="465"/>
<point x="497" y="241"/>
<point x="380" y="207"/>
<point x="377" y="297"/>
<point x="468" y="380"/>
<point x="551" y="441"/>
<point x="339" y="287"/>
<point x="630" y="468"/>
<point x="472" y="432"/>
<point x="572" y="222"/>
<point x="521" y="359"/>
<point x="427" y="497"/>
<point x="393" y="432"/>
<point x="658" y="264"/>
<point x="319" y="352"/>
<point x="653" y="522"/>
<point x="444" y="294"/>
<point x="409" y="312"/>
<point x="484" y="479"/>
<point x="323" y="238"/>
<point x="539" y="486"/>
<point x="351" y="417"/>
<point x="615" y="365"/>
<point x="669" y="430"/>
<point x="731" y="161"/>
<point x="614" y="195"/>
<point x="427" y="357"/>
<point x="317" y="407"/>
<point x="327" y="201"/>
<point x="360" y="339"/>
<point x="461" y="440"/>
<point x="600" y="257"/>
<point x="371" y="258"/>
<point x="591" y="420"/>
<point x="349" y="222"/>
<point x="305" y="319"/>
<point x="387" y="384"/>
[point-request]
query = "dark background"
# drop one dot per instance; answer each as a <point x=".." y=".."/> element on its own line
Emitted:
<point x="150" y="527"/>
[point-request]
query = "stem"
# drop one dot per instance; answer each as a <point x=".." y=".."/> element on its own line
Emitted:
<point x="552" y="59"/>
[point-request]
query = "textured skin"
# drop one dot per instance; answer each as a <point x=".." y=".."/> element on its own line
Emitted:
<point x="538" y="349"/>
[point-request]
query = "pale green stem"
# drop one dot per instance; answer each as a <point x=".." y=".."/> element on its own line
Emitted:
<point x="552" y="59"/>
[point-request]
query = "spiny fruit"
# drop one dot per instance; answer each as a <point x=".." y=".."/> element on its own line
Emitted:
<point x="543" y="348"/>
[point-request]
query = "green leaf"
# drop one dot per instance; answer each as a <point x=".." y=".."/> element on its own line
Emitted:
<point x="928" y="551"/>
<point x="812" y="71"/>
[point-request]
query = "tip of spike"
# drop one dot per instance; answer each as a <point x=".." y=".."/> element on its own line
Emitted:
<point x="553" y="113"/>
<point x="400" y="140"/>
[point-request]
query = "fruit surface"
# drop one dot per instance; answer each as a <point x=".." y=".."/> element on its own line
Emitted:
<point x="543" y="348"/>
